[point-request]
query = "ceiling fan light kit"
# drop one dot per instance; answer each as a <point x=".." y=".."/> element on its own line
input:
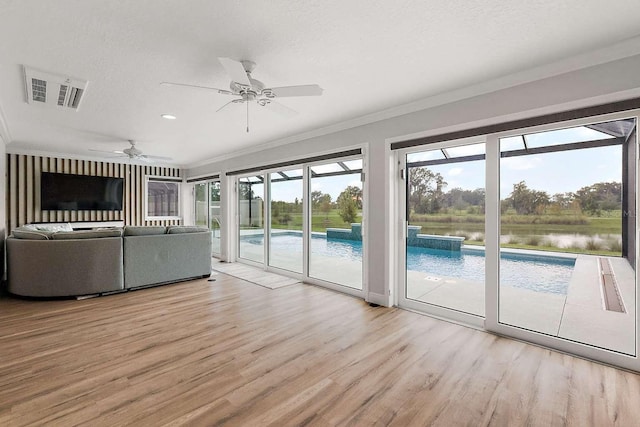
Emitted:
<point x="248" y="89"/>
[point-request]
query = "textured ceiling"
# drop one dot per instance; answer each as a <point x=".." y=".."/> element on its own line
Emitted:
<point x="368" y="55"/>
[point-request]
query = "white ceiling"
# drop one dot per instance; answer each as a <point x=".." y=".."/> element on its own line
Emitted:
<point x="368" y="55"/>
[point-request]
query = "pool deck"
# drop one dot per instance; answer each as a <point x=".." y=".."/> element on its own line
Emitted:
<point x="579" y="316"/>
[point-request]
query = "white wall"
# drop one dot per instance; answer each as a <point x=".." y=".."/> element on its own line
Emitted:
<point x="3" y="203"/>
<point x="594" y="85"/>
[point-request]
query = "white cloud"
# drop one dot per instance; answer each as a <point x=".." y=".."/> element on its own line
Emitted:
<point x="521" y="163"/>
<point x="455" y="171"/>
<point x="316" y="186"/>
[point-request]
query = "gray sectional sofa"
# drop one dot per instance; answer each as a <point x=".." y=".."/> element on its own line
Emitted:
<point x="60" y="263"/>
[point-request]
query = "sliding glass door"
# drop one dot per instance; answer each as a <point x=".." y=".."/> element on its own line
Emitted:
<point x="285" y="231"/>
<point x="567" y="239"/>
<point x="311" y="225"/>
<point x="530" y="233"/>
<point x="335" y="235"/>
<point x="445" y="211"/>
<point x="251" y="224"/>
<point x="208" y="211"/>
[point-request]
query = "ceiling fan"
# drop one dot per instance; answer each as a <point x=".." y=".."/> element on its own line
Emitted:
<point x="133" y="153"/>
<point x="247" y="89"/>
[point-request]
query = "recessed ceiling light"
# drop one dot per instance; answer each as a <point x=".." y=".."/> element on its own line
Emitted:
<point x="168" y="116"/>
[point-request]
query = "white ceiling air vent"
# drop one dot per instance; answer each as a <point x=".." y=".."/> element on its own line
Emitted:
<point x="53" y="90"/>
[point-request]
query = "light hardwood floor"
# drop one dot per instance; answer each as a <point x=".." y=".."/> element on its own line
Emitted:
<point x="232" y="353"/>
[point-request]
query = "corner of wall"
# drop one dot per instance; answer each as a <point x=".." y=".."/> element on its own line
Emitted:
<point x="3" y="204"/>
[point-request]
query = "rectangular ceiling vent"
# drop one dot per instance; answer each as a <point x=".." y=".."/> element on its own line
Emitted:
<point x="53" y="90"/>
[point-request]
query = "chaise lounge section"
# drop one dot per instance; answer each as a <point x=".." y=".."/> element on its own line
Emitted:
<point x="44" y="263"/>
<point x="155" y="256"/>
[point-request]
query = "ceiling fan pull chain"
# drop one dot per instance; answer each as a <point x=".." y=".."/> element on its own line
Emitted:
<point x="247" y="116"/>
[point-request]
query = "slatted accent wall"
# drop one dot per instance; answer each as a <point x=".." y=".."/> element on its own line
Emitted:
<point x="23" y="190"/>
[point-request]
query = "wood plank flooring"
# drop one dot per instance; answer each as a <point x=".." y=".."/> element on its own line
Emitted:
<point x="232" y="353"/>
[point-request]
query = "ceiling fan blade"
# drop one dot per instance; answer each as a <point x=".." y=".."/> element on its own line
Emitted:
<point x="105" y="151"/>
<point x="233" y="101"/>
<point x="149" y="157"/>
<point x="235" y="70"/>
<point x="278" y="108"/>
<point x="221" y="91"/>
<point x="302" y="90"/>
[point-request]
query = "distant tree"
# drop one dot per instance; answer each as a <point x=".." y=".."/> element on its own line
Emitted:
<point x="214" y="193"/>
<point x="526" y="201"/>
<point x="602" y="196"/>
<point x="355" y="193"/>
<point x="425" y="190"/>
<point x="347" y="207"/>
<point x="325" y="204"/>
<point x="316" y="197"/>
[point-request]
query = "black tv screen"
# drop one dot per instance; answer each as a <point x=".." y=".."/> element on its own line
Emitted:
<point x="66" y="192"/>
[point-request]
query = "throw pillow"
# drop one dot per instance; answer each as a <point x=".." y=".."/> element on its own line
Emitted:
<point x="25" y="233"/>
<point x="53" y="226"/>
<point x="85" y="234"/>
<point x="180" y="229"/>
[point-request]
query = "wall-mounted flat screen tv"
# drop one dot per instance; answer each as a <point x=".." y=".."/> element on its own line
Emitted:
<point x="66" y="192"/>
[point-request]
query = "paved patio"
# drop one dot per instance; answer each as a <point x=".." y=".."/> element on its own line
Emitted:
<point x="579" y="316"/>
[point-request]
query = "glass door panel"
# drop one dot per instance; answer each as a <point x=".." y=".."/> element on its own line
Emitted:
<point x="335" y="237"/>
<point x="285" y="238"/>
<point x="567" y="234"/>
<point x="251" y="218"/>
<point x="200" y="199"/>
<point x="207" y="211"/>
<point x="445" y="209"/>
<point x="215" y="216"/>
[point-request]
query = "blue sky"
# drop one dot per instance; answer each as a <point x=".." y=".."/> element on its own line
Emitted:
<point x="287" y="191"/>
<point x="558" y="172"/>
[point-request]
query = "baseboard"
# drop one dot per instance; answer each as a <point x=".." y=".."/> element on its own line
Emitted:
<point x="380" y="299"/>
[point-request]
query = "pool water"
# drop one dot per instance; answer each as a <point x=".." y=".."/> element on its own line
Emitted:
<point x="538" y="273"/>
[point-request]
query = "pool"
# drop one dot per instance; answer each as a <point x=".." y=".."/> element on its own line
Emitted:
<point x="540" y="273"/>
<point x="537" y="273"/>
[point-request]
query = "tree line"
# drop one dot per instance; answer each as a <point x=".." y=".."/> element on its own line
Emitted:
<point x="348" y="204"/>
<point x="427" y="195"/>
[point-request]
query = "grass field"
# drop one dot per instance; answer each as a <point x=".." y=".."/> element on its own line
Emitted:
<point x="319" y="222"/>
<point x="529" y="231"/>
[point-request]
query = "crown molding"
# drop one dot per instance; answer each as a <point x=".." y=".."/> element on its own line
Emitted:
<point x="27" y="152"/>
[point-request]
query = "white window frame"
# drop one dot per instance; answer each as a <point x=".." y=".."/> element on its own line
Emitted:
<point x="492" y="228"/>
<point x="166" y="179"/>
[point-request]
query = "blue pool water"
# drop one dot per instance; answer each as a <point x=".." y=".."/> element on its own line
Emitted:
<point x="539" y="273"/>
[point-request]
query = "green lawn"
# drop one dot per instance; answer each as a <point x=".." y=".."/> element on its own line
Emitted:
<point x="319" y="221"/>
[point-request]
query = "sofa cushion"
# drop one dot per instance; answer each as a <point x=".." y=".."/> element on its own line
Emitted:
<point x="180" y="229"/>
<point x="85" y="234"/>
<point x="29" y="234"/>
<point x="135" y="230"/>
<point x="51" y="226"/>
